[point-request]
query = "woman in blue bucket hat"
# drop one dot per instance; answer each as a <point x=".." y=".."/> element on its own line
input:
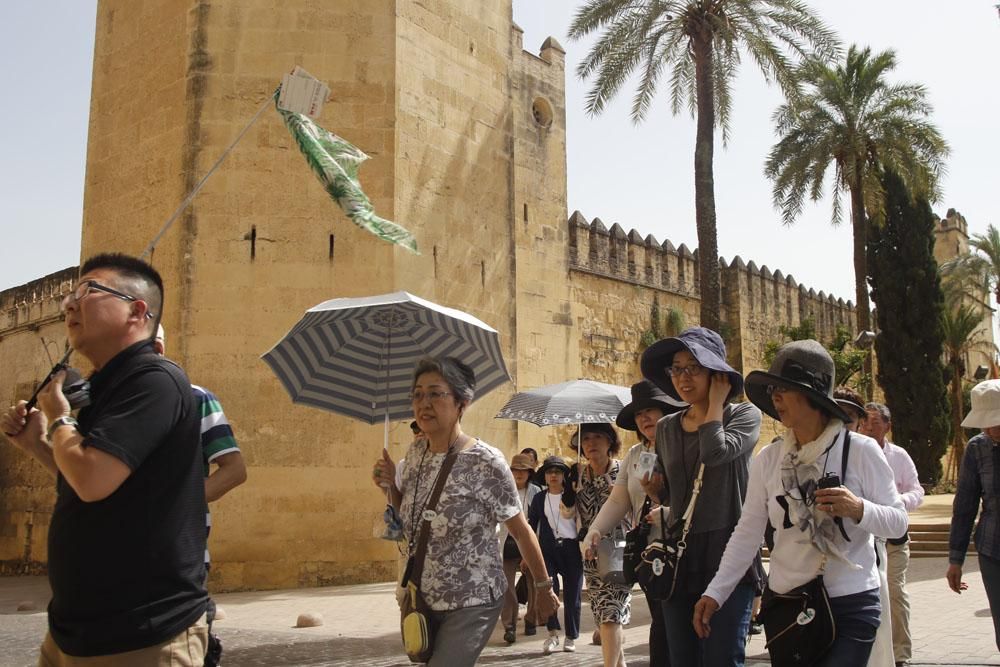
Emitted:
<point x="712" y="439"/>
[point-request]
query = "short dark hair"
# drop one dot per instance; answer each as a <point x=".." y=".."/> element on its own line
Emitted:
<point x="414" y="426"/>
<point x="460" y="377"/>
<point x="144" y="281"/>
<point x="605" y="429"/>
<point x="531" y="452"/>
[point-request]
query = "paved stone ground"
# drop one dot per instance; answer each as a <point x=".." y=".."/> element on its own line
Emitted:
<point x="361" y="626"/>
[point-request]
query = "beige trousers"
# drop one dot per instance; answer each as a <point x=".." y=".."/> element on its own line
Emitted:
<point x="898" y="558"/>
<point x="187" y="649"/>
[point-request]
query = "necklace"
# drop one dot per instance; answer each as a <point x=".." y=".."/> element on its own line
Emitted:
<point x="416" y="491"/>
<point x="554" y="514"/>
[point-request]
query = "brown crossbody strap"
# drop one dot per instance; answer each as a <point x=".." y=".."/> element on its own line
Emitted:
<point x="416" y="569"/>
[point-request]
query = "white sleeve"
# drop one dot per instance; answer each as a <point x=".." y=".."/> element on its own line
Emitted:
<point x="884" y="514"/>
<point x="909" y="486"/>
<point x="747" y="536"/>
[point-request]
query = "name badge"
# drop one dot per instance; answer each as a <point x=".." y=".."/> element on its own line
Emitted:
<point x="429" y="515"/>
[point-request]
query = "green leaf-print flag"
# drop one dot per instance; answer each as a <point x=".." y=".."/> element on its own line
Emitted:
<point x="335" y="163"/>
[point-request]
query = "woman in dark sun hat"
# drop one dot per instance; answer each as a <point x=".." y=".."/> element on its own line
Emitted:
<point x="826" y="531"/>
<point x="713" y="438"/>
<point x="649" y="405"/>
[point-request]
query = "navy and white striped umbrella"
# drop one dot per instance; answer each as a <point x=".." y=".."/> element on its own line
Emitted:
<point x="573" y="402"/>
<point x="356" y="356"/>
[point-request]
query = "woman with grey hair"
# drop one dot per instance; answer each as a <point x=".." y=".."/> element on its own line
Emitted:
<point x="462" y="580"/>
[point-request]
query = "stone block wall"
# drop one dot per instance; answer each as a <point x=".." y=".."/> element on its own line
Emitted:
<point x="32" y="339"/>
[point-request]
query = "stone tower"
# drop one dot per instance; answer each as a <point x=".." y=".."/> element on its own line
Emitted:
<point x="467" y="138"/>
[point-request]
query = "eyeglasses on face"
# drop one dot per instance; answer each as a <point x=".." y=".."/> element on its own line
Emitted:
<point x="694" y="370"/>
<point x="87" y="286"/>
<point x="773" y="389"/>
<point x="434" y="396"/>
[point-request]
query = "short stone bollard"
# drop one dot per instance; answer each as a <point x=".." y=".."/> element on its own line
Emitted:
<point x="309" y="621"/>
<point x="220" y="614"/>
<point x="26" y="605"/>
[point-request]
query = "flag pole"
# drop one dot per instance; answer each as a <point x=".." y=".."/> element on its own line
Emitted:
<point x="187" y="200"/>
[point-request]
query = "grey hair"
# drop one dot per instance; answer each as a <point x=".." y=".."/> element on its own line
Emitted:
<point x="880" y="408"/>
<point x="460" y="377"/>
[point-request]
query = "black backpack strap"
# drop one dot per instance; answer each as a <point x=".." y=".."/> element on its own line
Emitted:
<point x="843" y="476"/>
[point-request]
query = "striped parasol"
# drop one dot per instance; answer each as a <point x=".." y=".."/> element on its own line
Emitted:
<point x="356" y="356"/>
<point x="573" y="402"/>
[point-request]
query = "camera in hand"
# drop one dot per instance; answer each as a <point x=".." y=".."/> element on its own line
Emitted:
<point x="830" y="480"/>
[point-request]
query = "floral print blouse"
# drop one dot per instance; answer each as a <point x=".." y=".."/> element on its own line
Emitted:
<point x="463" y="566"/>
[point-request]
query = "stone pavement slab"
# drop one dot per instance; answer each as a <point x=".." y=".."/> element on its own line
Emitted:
<point x="361" y="627"/>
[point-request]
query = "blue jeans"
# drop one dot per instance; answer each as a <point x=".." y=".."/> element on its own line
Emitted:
<point x="989" y="569"/>
<point x="730" y="624"/>
<point x="566" y="562"/>
<point x="857" y="619"/>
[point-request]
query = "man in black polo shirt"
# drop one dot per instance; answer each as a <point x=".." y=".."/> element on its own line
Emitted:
<point x="127" y="538"/>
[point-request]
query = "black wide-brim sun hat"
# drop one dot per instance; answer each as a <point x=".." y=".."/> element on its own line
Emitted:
<point x="646" y="395"/>
<point x="804" y="366"/>
<point x="705" y="345"/>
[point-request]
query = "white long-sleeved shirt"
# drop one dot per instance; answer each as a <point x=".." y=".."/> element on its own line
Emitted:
<point x="904" y="473"/>
<point x="794" y="560"/>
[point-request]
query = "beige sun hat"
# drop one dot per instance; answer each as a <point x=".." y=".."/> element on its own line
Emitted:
<point x="985" y="405"/>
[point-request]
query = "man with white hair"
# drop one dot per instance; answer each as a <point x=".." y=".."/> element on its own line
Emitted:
<point x="876" y="425"/>
<point x="978" y="483"/>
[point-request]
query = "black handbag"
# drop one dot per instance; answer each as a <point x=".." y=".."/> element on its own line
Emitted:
<point x="798" y="625"/>
<point x="510" y="550"/>
<point x="635" y="543"/>
<point x="659" y="568"/>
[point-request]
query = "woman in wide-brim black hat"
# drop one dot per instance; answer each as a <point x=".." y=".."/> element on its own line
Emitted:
<point x="717" y="436"/>
<point x="817" y="530"/>
<point x="552" y="514"/>
<point x="628" y="497"/>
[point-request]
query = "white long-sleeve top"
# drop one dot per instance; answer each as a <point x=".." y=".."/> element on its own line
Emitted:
<point x="904" y="473"/>
<point x="794" y="560"/>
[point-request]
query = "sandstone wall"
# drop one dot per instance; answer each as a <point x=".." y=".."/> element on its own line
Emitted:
<point x="32" y="339"/>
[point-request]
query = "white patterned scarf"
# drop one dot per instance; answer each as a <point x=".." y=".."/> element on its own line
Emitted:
<point x="801" y="468"/>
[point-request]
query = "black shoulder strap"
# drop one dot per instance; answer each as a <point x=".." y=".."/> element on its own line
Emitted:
<point x="843" y="455"/>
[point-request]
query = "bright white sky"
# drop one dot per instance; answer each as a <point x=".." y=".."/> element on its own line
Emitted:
<point x="638" y="176"/>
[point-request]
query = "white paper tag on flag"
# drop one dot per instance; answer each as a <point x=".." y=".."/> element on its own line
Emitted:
<point x="302" y="93"/>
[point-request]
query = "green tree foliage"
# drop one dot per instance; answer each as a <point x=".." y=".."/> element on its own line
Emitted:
<point x="847" y="359"/>
<point x="850" y="117"/>
<point x="906" y="288"/>
<point x="696" y="46"/>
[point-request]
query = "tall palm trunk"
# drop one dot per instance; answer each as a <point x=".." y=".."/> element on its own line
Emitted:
<point x="704" y="184"/>
<point x="863" y="313"/>
<point x="957" y="410"/>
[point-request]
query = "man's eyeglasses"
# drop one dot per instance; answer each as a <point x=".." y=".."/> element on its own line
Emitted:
<point x="694" y="370"/>
<point x="434" y="396"/>
<point x="85" y="288"/>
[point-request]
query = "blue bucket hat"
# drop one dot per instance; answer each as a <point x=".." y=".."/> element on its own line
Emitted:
<point x="705" y="345"/>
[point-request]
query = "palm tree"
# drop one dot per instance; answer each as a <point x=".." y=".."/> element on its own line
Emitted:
<point x="849" y="116"/>
<point x="961" y="336"/>
<point x="981" y="268"/>
<point x="698" y="43"/>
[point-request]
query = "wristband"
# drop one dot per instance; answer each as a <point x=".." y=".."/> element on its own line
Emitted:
<point x="65" y="420"/>
<point x="544" y="584"/>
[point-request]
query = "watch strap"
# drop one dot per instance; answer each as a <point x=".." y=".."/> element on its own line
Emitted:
<point x="61" y="421"/>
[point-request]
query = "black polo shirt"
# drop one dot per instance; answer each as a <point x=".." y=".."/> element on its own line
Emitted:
<point x="128" y="572"/>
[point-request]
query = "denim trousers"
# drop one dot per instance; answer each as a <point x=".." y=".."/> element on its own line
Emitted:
<point x="727" y="645"/>
<point x="567" y="562"/>
<point x="989" y="570"/>
<point x="856" y="629"/>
